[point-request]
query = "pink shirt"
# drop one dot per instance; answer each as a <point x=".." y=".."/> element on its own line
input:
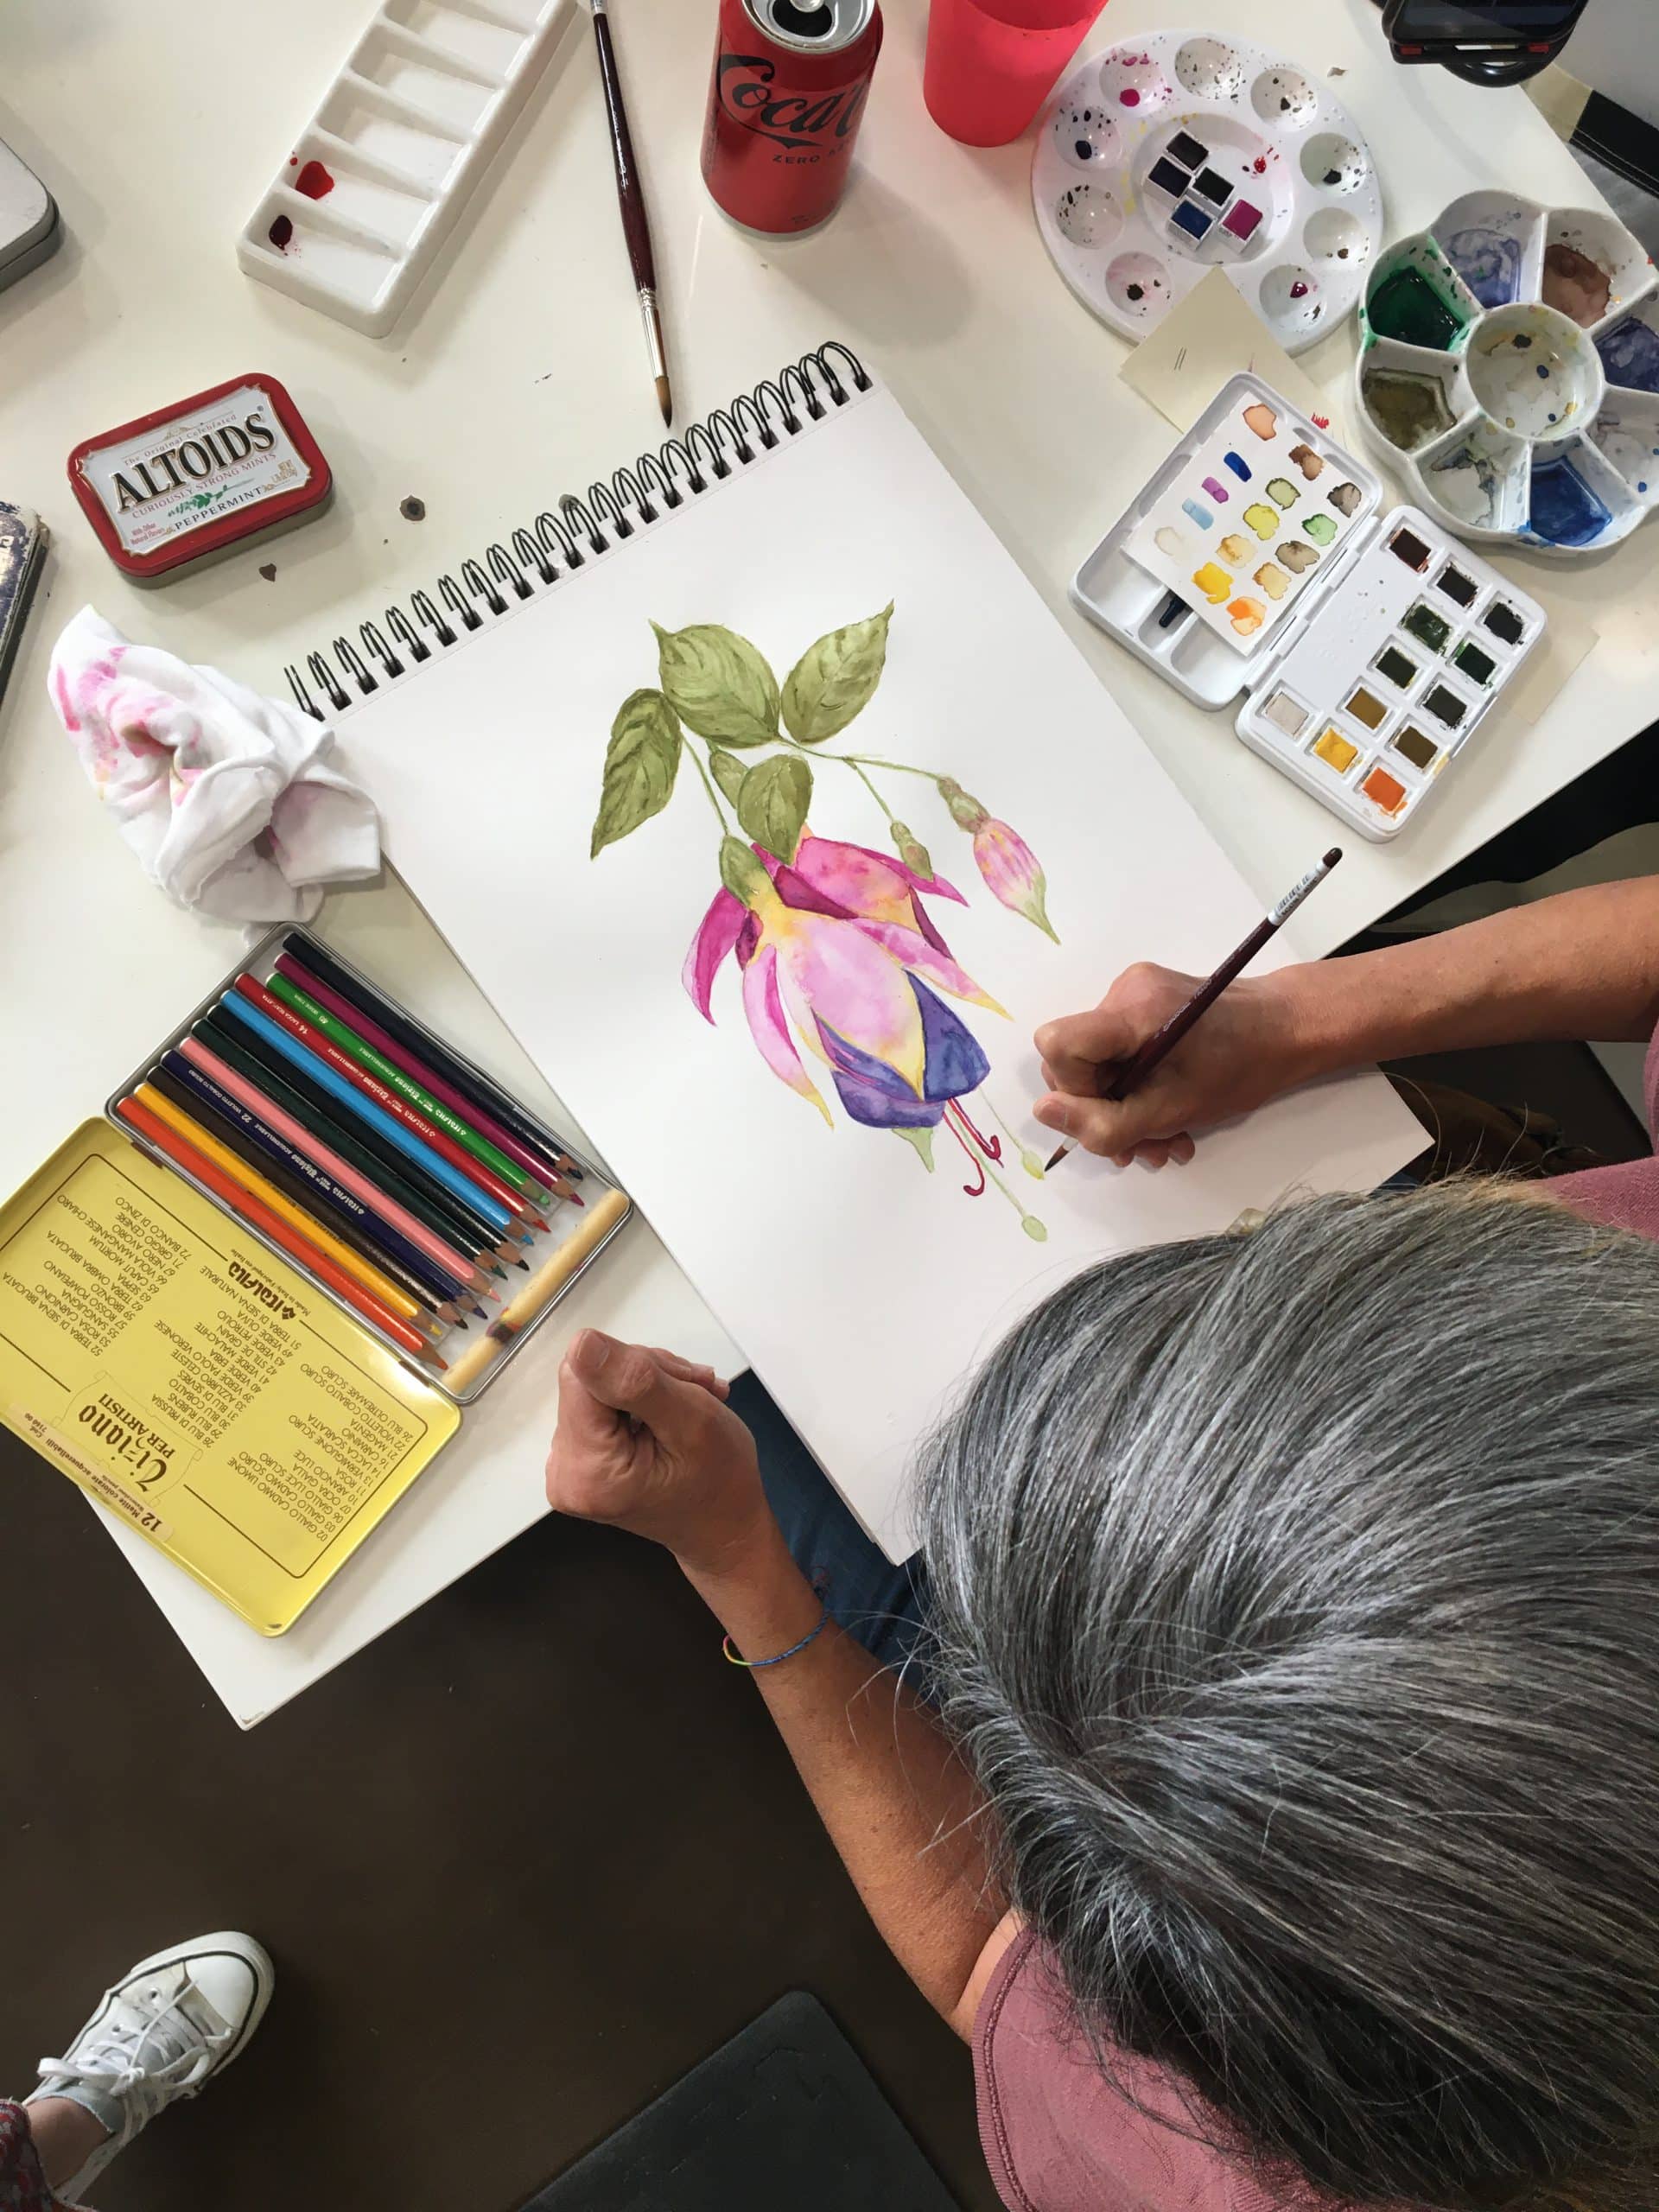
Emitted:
<point x="1058" y="2136"/>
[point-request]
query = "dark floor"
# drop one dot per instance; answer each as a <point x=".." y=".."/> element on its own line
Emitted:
<point x="521" y="1863"/>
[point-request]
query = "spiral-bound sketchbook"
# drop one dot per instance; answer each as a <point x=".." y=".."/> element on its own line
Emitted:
<point x="773" y="809"/>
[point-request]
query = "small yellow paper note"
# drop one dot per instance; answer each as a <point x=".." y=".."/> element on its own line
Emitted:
<point x="1206" y="338"/>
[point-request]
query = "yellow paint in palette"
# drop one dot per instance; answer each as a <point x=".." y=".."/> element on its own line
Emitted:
<point x="1334" y="749"/>
<point x="1262" y="519"/>
<point x="1213" y="581"/>
<point x="206" y="1395"/>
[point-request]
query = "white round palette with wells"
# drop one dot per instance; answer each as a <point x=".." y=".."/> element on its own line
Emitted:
<point x="1171" y="154"/>
<point x="1510" y="372"/>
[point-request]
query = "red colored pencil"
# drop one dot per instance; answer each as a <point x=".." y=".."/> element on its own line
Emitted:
<point x="388" y="1101"/>
<point x="382" y="1041"/>
<point x="448" y="1256"/>
<point x="250" y="1208"/>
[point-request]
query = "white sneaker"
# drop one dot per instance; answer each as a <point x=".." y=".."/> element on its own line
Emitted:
<point x="162" y="2031"/>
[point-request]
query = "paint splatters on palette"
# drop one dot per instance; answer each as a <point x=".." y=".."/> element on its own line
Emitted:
<point x="1252" y="513"/>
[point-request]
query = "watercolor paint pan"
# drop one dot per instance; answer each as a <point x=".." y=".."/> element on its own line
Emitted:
<point x="1140" y="144"/>
<point x="1253" y="509"/>
<point x="1363" y="712"/>
<point x="1389" y="674"/>
<point x="1130" y="598"/>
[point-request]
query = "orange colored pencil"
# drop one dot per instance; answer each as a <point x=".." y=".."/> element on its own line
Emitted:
<point x="378" y="1284"/>
<point x="243" y="1202"/>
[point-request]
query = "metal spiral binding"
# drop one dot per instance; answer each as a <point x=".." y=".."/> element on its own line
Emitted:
<point x="555" y="545"/>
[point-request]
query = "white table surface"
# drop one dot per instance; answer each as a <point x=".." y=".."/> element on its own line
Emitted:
<point x="518" y="375"/>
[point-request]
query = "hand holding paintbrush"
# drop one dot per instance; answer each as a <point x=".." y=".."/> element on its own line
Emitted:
<point x="1095" y="1058"/>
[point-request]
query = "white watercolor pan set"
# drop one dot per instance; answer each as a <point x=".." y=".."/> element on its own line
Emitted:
<point x="1254" y="513"/>
<point x="1386" y="683"/>
<point x="1180" y="152"/>
<point x="1365" y="688"/>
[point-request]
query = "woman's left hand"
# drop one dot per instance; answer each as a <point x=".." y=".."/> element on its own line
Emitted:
<point x="647" y="1443"/>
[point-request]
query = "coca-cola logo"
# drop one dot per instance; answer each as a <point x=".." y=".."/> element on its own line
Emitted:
<point x="748" y="93"/>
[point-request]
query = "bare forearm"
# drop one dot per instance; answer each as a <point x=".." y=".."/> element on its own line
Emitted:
<point x="900" y="1806"/>
<point x="1584" y="964"/>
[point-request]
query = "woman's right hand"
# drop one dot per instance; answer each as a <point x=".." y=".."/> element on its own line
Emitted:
<point x="1244" y="1051"/>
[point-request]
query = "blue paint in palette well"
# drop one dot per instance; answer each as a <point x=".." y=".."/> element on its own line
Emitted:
<point x="1489" y="262"/>
<point x="1629" y="353"/>
<point x="1565" y="511"/>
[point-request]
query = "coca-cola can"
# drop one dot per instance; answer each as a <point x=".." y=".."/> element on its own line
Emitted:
<point x="791" y="80"/>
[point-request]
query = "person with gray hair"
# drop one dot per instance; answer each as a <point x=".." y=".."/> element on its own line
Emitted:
<point x="1273" y="1795"/>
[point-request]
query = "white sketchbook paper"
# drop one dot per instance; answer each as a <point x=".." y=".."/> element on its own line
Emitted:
<point x="863" y="1285"/>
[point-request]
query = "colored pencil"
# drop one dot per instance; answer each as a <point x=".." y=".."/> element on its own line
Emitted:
<point x="248" y="1093"/>
<point x="362" y="1020"/>
<point x="315" y="1192"/>
<point x="539" y="1292"/>
<point x="376" y="1283"/>
<point x="242" y="1202"/>
<point x="472" y="1083"/>
<point x="325" y="1116"/>
<point x="1121" y="1081"/>
<point x="435" y="1140"/>
<point x="243" y="1007"/>
<point x="291" y="984"/>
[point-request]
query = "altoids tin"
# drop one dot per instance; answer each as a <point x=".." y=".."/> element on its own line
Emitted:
<point x="189" y="482"/>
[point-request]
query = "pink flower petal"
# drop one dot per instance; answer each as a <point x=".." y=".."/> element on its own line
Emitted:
<point x="865" y="882"/>
<point x="854" y="986"/>
<point x="765" y="1008"/>
<point x="933" y="965"/>
<point x="716" y="935"/>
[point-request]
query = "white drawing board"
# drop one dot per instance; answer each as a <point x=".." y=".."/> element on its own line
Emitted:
<point x="862" y="1287"/>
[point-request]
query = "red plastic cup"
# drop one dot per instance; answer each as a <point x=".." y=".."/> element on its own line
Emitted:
<point x="992" y="63"/>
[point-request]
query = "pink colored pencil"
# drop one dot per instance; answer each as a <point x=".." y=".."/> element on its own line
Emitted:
<point x="400" y="1056"/>
<point x="448" y="1258"/>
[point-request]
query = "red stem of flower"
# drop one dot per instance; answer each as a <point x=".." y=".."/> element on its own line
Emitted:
<point x="969" y="1189"/>
<point x="991" y="1147"/>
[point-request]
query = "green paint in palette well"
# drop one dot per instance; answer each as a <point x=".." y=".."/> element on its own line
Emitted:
<point x="1409" y="410"/>
<point x="1429" y="628"/>
<point x="1406" y="306"/>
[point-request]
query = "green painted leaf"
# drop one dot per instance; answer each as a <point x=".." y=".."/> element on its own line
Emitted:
<point x="729" y="773"/>
<point x="921" y="1142"/>
<point x="742" y="872"/>
<point x="718" y="684"/>
<point x="772" y="804"/>
<point x="641" y="762"/>
<point x="835" y="679"/>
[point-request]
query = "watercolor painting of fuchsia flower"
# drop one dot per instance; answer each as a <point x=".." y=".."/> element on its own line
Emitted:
<point x="840" y="962"/>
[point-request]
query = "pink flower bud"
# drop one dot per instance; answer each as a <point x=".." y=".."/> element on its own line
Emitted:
<point x="1011" y="873"/>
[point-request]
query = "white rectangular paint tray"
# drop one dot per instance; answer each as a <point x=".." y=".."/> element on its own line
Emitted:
<point x="373" y="186"/>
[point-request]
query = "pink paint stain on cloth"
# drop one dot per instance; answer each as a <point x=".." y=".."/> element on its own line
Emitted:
<point x="229" y="799"/>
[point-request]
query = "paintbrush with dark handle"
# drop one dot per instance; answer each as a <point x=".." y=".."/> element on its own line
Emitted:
<point x="631" y="198"/>
<point x="1135" y="1070"/>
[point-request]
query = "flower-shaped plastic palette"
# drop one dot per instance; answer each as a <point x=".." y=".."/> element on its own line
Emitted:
<point x="1176" y="153"/>
<point x="1510" y="371"/>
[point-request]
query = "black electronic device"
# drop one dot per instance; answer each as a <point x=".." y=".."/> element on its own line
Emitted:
<point x="1484" y="42"/>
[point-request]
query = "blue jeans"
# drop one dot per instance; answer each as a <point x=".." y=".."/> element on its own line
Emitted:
<point x="878" y="1603"/>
